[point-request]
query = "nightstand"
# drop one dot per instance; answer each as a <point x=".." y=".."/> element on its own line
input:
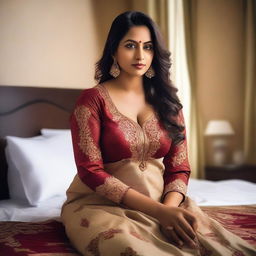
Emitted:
<point x="226" y="172"/>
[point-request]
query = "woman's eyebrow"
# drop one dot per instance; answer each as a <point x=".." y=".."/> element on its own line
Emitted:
<point x="130" y="40"/>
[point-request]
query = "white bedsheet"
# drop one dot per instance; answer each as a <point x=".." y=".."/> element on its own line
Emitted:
<point x="205" y="193"/>
<point x="11" y="210"/>
<point x="226" y="192"/>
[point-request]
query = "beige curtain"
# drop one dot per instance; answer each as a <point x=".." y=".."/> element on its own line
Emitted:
<point x="156" y="9"/>
<point x="250" y="82"/>
<point x="196" y="133"/>
<point x="179" y="70"/>
<point x="181" y="30"/>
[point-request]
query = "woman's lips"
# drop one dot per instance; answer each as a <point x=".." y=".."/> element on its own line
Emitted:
<point x="139" y="66"/>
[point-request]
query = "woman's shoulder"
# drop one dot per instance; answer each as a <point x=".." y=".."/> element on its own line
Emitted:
<point x="90" y="95"/>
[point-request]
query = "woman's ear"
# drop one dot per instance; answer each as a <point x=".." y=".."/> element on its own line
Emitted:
<point x="114" y="55"/>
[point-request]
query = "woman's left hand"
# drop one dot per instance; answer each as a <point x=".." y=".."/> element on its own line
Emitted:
<point x="178" y="234"/>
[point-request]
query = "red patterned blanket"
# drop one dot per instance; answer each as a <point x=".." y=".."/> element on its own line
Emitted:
<point x="48" y="238"/>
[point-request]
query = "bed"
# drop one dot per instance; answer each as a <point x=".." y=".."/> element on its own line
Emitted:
<point x="34" y="122"/>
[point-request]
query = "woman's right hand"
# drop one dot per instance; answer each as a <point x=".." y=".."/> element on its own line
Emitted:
<point x="178" y="225"/>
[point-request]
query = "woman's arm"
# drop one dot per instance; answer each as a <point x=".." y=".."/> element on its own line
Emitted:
<point x="176" y="175"/>
<point x="137" y="201"/>
<point x="179" y="220"/>
<point x="86" y="129"/>
<point x="173" y="199"/>
<point x="177" y="170"/>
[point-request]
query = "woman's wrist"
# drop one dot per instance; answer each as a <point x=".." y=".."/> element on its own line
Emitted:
<point x="160" y="211"/>
<point x="173" y="199"/>
<point x="137" y="201"/>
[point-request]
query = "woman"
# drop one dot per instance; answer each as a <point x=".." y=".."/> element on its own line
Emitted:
<point x="129" y="141"/>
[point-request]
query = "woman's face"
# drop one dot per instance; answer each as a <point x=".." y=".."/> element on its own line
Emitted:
<point x="135" y="51"/>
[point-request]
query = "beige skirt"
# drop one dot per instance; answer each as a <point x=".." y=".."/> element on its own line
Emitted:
<point x="98" y="227"/>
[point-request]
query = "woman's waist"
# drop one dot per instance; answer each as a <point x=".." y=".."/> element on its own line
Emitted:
<point x="148" y="182"/>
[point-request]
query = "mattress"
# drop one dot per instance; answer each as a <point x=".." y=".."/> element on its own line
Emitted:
<point x="203" y="192"/>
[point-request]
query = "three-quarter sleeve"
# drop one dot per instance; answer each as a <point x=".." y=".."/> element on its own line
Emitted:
<point x="86" y="128"/>
<point x="177" y="168"/>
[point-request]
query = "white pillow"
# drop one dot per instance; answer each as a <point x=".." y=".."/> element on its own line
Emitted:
<point x="51" y="132"/>
<point x="40" y="167"/>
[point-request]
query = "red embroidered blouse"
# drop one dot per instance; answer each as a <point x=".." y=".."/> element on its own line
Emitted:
<point x="101" y="135"/>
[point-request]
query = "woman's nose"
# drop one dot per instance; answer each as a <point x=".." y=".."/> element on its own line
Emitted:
<point x="140" y="53"/>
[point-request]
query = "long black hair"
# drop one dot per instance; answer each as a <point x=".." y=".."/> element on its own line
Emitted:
<point x="159" y="90"/>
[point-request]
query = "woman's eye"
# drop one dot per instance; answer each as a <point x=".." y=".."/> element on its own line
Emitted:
<point x="130" y="46"/>
<point x="148" y="47"/>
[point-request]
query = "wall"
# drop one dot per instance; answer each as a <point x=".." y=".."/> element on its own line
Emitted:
<point x="53" y="43"/>
<point x="220" y="65"/>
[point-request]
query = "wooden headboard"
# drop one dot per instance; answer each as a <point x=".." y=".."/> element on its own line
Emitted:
<point x="25" y="110"/>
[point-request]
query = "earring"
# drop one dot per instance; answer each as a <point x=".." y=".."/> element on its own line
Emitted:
<point x="150" y="73"/>
<point x="114" y="70"/>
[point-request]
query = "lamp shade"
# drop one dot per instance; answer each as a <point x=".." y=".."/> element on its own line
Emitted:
<point x="219" y="127"/>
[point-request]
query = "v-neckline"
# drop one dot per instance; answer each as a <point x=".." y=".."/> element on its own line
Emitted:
<point x="124" y="116"/>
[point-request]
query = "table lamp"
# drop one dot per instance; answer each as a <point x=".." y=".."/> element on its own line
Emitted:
<point x="219" y="129"/>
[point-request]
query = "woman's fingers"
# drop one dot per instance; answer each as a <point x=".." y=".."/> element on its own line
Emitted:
<point x="181" y="226"/>
<point x="185" y="225"/>
<point x="192" y="220"/>
<point x="184" y="236"/>
<point x="174" y="236"/>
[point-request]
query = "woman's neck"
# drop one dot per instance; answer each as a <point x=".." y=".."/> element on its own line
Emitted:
<point x="129" y="83"/>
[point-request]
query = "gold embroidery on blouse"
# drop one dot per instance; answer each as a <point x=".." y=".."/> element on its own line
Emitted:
<point x="131" y="136"/>
<point x="177" y="185"/>
<point x="86" y="143"/>
<point x="153" y="132"/>
<point x="130" y="131"/>
<point x="180" y="156"/>
<point x="143" y="142"/>
<point x="113" y="189"/>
